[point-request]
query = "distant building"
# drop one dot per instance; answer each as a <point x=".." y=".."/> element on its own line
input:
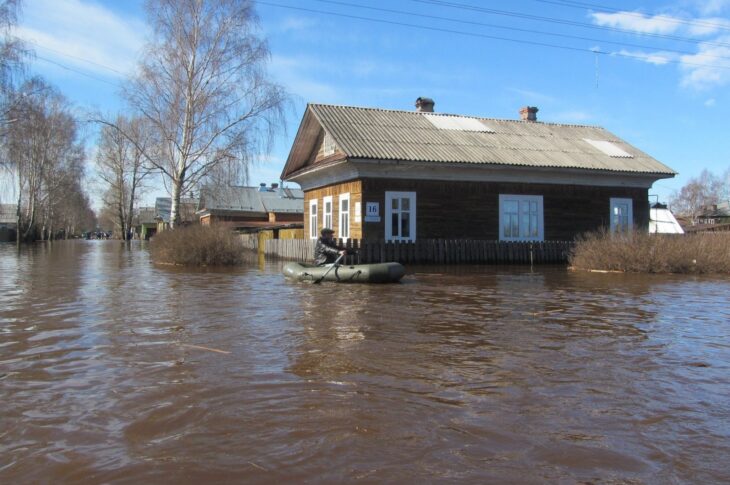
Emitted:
<point x="715" y="214"/>
<point x="395" y="175"/>
<point x="163" y="209"/>
<point x="251" y="209"/>
<point x="8" y="222"/>
<point x="146" y="226"/>
<point x="662" y="221"/>
<point x="713" y="218"/>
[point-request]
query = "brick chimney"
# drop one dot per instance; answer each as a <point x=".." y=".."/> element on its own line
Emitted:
<point x="424" y="105"/>
<point x="528" y="113"/>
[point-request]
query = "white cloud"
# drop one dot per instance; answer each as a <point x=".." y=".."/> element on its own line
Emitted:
<point x="656" y="58"/>
<point x="661" y="24"/>
<point x="637" y="22"/>
<point x="83" y="34"/>
<point x="298" y="75"/>
<point x="710" y="102"/>
<point x="297" y="23"/>
<point x="707" y="26"/>
<point x="709" y="67"/>
<point x="711" y="7"/>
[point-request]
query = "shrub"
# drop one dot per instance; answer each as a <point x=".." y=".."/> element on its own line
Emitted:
<point x="639" y="252"/>
<point x="197" y="246"/>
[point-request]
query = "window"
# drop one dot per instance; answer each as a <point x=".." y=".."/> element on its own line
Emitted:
<point x="622" y="215"/>
<point x="520" y="218"/>
<point x="344" y="216"/>
<point x="327" y="216"/>
<point x="313" y="219"/>
<point x="400" y="216"/>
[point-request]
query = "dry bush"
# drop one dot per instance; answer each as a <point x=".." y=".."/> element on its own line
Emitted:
<point x="639" y="252"/>
<point x="197" y="246"/>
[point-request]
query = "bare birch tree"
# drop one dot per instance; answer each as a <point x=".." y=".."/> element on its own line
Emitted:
<point x="12" y="53"/>
<point x="43" y="147"/>
<point x="202" y="86"/>
<point x="121" y="167"/>
<point x="698" y="193"/>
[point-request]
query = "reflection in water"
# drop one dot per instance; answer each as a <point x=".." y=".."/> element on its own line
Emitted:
<point x="114" y="369"/>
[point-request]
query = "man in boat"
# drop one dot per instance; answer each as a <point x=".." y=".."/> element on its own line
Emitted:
<point x="326" y="251"/>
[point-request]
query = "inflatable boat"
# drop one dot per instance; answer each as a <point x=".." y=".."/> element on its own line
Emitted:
<point x="345" y="273"/>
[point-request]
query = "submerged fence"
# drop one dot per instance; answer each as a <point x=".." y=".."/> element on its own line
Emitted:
<point x="438" y="251"/>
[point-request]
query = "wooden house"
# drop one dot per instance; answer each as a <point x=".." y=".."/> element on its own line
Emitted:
<point x="393" y="175"/>
<point x="712" y="218"/>
<point x="163" y="211"/>
<point x="146" y="224"/>
<point x="8" y="222"/>
<point x="278" y="210"/>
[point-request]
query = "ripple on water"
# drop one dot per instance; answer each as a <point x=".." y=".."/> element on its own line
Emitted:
<point x="120" y="370"/>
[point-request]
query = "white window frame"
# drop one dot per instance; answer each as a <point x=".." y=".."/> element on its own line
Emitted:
<point x="327" y="216"/>
<point x="522" y="199"/>
<point x="344" y="217"/>
<point x="389" y="196"/>
<point x="614" y="203"/>
<point x="313" y="219"/>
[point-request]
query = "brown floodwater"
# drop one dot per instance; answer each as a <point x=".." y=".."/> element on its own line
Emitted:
<point x="114" y="370"/>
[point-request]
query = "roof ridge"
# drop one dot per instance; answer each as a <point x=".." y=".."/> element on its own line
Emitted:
<point x="421" y="113"/>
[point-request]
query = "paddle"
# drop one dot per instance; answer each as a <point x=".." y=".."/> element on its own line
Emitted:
<point x="329" y="269"/>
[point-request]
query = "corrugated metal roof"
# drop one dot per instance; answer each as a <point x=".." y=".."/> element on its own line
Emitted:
<point x="252" y="199"/>
<point x="409" y="135"/>
<point x="188" y="206"/>
<point x="146" y="215"/>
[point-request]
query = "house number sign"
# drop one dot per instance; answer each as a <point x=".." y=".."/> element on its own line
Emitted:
<point x="372" y="211"/>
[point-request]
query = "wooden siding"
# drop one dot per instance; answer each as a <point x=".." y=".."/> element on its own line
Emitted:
<point x="470" y="210"/>
<point x="354" y="188"/>
<point x="318" y="154"/>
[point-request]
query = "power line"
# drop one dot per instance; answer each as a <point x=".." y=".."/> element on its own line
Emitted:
<point x="483" y="36"/>
<point x="77" y="71"/>
<point x="603" y="8"/>
<point x="514" y="29"/>
<point x="506" y="13"/>
<point x="65" y="54"/>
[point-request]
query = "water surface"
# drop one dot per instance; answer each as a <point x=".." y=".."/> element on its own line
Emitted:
<point x="113" y="369"/>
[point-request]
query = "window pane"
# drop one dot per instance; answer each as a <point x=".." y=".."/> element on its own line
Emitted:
<point x="515" y="226"/>
<point x="405" y="204"/>
<point x="533" y="207"/>
<point x="507" y="229"/>
<point x="525" y="207"/>
<point x="344" y="205"/>
<point x="511" y="207"/>
<point x="405" y="224"/>
<point x="395" y="204"/>
<point x="394" y="224"/>
<point x="533" y="225"/>
<point x="525" y="223"/>
<point x="345" y="230"/>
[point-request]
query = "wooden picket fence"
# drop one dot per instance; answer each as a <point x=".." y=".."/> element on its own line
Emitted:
<point x="430" y="251"/>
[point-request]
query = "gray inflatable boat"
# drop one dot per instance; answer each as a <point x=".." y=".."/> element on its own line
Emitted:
<point x="344" y="273"/>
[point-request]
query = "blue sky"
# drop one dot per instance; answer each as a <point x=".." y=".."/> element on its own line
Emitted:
<point x="656" y="74"/>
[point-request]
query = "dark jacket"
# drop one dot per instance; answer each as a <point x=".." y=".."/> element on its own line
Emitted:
<point x="326" y="251"/>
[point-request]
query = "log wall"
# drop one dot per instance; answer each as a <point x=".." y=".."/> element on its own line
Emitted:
<point x="470" y="210"/>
